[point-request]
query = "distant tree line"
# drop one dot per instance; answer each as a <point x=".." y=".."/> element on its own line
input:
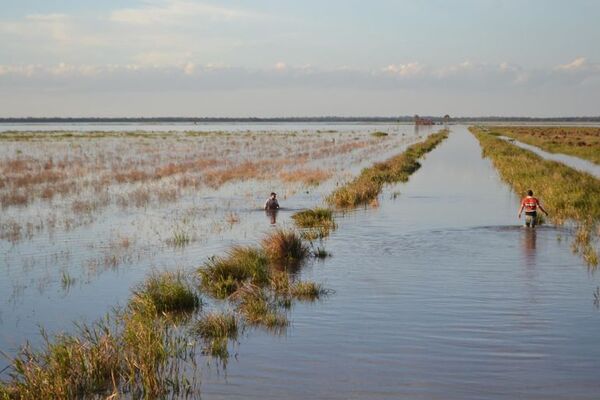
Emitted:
<point x="406" y="118"/>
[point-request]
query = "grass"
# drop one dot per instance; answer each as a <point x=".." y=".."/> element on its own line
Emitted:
<point x="316" y="217"/>
<point x="180" y="239"/>
<point x="222" y="276"/>
<point x="567" y="194"/>
<point x="166" y="292"/>
<point x="308" y="291"/>
<point x="366" y="187"/>
<point x="379" y="134"/>
<point x="320" y="252"/>
<point x="129" y="352"/>
<point x="578" y="141"/>
<point x="285" y="248"/>
<point x="216" y="329"/>
<point x="257" y="309"/>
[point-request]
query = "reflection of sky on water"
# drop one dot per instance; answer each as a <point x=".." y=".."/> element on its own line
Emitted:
<point x="439" y="294"/>
<point x="119" y="247"/>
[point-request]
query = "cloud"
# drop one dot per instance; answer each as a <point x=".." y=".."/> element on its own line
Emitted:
<point x="403" y="70"/>
<point x="175" y="12"/>
<point x="191" y="76"/>
<point x="577" y="64"/>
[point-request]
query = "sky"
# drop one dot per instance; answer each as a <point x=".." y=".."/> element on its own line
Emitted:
<point x="278" y="58"/>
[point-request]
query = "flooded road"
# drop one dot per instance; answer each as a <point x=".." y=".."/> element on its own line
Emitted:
<point x="439" y="294"/>
<point x="570" y="161"/>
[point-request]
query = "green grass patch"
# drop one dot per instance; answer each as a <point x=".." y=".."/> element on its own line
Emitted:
<point x="379" y="134"/>
<point x="166" y="292"/>
<point x="365" y="188"/>
<point x="222" y="276"/>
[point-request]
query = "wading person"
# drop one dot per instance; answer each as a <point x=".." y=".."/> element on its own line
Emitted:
<point x="272" y="203"/>
<point x="530" y="204"/>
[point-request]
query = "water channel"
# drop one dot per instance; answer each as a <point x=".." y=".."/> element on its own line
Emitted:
<point x="440" y="293"/>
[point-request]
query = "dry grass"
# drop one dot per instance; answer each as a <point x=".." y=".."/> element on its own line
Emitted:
<point x="578" y="141"/>
<point x="285" y="248"/>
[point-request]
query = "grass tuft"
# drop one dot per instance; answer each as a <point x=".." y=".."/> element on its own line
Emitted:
<point x="285" y="248"/>
<point x="165" y="292"/>
<point x="222" y="276"/>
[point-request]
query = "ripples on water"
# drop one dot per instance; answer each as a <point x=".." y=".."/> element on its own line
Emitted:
<point x="440" y="294"/>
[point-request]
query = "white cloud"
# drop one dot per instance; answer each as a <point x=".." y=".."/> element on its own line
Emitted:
<point x="577" y="64"/>
<point x="404" y="70"/>
<point x="172" y="12"/>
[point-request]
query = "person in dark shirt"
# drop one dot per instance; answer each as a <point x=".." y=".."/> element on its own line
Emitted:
<point x="272" y="203"/>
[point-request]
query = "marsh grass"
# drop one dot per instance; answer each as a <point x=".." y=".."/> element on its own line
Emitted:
<point x="578" y="141"/>
<point x="567" y="194"/>
<point x="216" y="329"/>
<point x="180" y="238"/>
<point x="379" y="134"/>
<point x="165" y="292"/>
<point x="366" y="187"/>
<point x="66" y="280"/>
<point x="285" y="248"/>
<point x="316" y="217"/>
<point x="258" y="309"/>
<point x="222" y="276"/>
<point x="128" y="352"/>
<point x="320" y="252"/>
<point x="308" y="291"/>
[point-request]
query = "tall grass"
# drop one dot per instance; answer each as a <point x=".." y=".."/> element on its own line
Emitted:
<point x="568" y="195"/>
<point x="285" y="248"/>
<point x="366" y="187"/>
<point x="222" y="276"/>
<point x="166" y="292"/>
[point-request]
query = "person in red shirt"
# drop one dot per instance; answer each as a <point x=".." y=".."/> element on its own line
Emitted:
<point x="530" y="204"/>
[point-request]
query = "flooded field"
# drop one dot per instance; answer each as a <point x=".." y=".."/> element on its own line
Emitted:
<point x="437" y="292"/>
<point x="86" y="216"/>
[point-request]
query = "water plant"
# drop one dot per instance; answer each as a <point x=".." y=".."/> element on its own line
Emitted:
<point x="379" y="134"/>
<point x="216" y="329"/>
<point x="365" y="188"/>
<point x="285" y="248"/>
<point x="316" y="217"/>
<point x="222" y="276"/>
<point x="165" y="292"/>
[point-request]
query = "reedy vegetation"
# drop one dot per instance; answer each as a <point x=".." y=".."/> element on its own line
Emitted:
<point x="567" y="194"/>
<point x="578" y="141"/>
<point x="366" y="187"/>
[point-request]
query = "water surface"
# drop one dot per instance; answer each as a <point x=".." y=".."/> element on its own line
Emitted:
<point x="440" y="294"/>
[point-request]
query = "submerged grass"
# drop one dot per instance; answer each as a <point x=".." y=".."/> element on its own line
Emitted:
<point x="366" y="187"/>
<point x="216" y="329"/>
<point x="568" y="195"/>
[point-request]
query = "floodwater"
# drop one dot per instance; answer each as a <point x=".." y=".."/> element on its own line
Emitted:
<point x="571" y="161"/>
<point x="440" y="293"/>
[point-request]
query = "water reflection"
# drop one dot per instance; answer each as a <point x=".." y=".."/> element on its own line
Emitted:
<point x="272" y="215"/>
<point x="528" y="239"/>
